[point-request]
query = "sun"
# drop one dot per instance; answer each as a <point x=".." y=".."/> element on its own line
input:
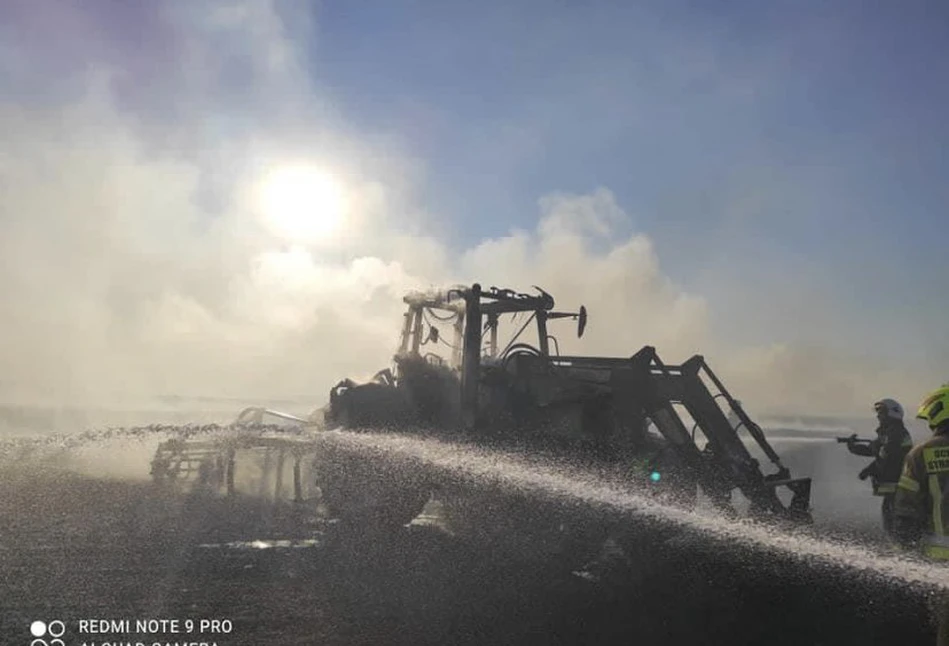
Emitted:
<point x="303" y="204"/>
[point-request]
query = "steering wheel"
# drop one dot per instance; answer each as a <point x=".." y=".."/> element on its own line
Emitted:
<point x="519" y="349"/>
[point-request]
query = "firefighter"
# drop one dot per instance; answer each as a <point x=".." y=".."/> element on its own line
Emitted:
<point x="921" y="504"/>
<point x="888" y="450"/>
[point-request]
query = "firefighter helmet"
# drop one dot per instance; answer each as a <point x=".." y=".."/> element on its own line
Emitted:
<point x="935" y="408"/>
<point x="889" y="408"/>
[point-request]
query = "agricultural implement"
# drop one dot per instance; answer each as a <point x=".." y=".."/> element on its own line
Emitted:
<point x="261" y="437"/>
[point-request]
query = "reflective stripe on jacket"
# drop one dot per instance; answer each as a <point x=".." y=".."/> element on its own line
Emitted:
<point x="922" y="493"/>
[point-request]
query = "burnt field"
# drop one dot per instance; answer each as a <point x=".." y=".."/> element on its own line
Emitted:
<point x="73" y="547"/>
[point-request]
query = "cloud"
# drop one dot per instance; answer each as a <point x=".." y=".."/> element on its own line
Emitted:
<point x="574" y="255"/>
<point x="121" y="280"/>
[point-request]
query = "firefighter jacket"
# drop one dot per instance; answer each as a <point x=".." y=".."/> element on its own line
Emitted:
<point x="921" y="504"/>
<point x="889" y="449"/>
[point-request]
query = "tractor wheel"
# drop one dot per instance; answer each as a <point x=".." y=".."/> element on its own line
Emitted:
<point x="369" y="493"/>
<point x="363" y="490"/>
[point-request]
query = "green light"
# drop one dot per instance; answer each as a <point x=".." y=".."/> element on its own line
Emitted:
<point x="654" y="476"/>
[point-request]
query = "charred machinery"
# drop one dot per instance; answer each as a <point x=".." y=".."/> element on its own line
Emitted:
<point x="674" y="428"/>
<point x="667" y="430"/>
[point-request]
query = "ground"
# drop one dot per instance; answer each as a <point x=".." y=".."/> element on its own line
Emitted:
<point x="74" y="547"/>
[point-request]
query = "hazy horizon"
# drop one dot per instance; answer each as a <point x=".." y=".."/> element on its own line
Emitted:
<point x="228" y="199"/>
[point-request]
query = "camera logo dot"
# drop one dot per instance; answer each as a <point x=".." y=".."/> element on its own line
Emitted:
<point x="54" y="629"/>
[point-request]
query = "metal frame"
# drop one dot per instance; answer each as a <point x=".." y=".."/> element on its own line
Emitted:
<point x="649" y="384"/>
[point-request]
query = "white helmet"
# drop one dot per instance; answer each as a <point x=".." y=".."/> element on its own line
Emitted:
<point x="890" y="408"/>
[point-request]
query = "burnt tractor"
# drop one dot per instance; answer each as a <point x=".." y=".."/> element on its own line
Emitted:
<point x="665" y="430"/>
<point x="671" y="431"/>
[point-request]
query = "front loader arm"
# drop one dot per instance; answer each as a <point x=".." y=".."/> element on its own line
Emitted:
<point x="725" y="463"/>
<point x="684" y="385"/>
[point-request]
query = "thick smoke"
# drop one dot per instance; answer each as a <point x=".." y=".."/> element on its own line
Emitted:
<point x="135" y="263"/>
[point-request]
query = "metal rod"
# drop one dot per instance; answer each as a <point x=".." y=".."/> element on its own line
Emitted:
<point x="278" y="488"/>
<point x="472" y="360"/>
<point x="230" y="472"/>
<point x="297" y="481"/>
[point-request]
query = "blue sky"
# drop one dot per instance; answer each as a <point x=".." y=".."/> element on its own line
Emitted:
<point x="756" y="137"/>
<point x="783" y="164"/>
